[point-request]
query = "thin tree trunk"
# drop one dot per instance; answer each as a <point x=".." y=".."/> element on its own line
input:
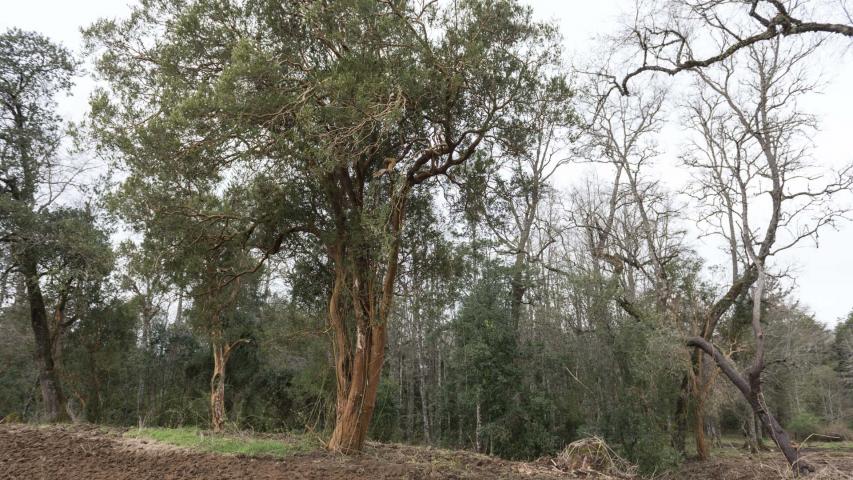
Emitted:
<point x="700" y="391"/>
<point x="703" y="452"/>
<point x="141" y="410"/>
<point x="679" y="435"/>
<point x="752" y="432"/>
<point x="478" y="429"/>
<point x="759" y="432"/>
<point x="410" y="407"/>
<point x="424" y="402"/>
<point x="419" y="343"/>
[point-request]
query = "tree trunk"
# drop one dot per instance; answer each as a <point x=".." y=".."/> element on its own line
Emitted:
<point x="422" y="386"/>
<point x="478" y="429"/>
<point x="424" y="402"/>
<point x="679" y="434"/>
<point x="410" y="407"/>
<point x="358" y="364"/>
<point x="357" y="369"/>
<point x="755" y="399"/>
<point x="221" y="353"/>
<point x="51" y="388"/>
<point x="703" y="452"/>
<point x="752" y="432"/>
<point x="759" y="433"/>
<point x="700" y="391"/>
<point x="356" y="396"/>
<point x="217" y="388"/>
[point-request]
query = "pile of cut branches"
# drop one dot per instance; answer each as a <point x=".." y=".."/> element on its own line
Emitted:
<point x="592" y="457"/>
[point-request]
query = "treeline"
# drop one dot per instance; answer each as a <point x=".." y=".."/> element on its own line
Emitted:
<point x="341" y="216"/>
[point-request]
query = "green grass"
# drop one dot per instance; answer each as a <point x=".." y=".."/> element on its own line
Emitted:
<point x="846" y="445"/>
<point x="242" y="444"/>
<point x="732" y="446"/>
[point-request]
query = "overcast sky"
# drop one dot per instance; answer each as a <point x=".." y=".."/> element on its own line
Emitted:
<point x="825" y="273"/>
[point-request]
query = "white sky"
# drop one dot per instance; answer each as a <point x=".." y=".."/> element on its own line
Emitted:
<point x="825" y="281"/>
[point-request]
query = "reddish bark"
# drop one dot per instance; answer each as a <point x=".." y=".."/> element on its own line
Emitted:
<point x="221" y="353"/>
<point x="358" y="361"/>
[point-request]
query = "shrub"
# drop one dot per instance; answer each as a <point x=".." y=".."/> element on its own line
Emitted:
<point x="804" y="424"/>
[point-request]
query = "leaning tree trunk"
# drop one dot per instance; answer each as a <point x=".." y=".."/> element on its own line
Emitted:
<point x="750" y="389"/>
<point x="51" y="388"/>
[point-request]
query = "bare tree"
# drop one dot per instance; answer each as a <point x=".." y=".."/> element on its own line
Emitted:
<point x="516" y="192"/>
<point x="755" y="147"/>
<point x="635" y="228"/>
<point x="673" y="36"/>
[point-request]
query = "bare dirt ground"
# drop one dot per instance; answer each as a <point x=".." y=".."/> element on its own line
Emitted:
<point x="89" y="452"/>
<point x="831" y="464"/>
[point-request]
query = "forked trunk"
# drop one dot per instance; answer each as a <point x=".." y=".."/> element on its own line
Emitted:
<point x="356" y="398"/>
<point x="221" y="353"/>
<point x="357" y="366"/>
<point x="358" y="361"/>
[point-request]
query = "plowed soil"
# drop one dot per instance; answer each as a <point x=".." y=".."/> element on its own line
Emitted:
<point x="89" y="452"/>
<point x="81" y="452"/>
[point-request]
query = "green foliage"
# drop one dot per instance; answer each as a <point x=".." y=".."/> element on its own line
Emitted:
<point x="97" y="365"/>
<point x="384" y="427"/>
<point x="18" y="377"/>
<point x="265" y="146"/>
<point x="641" y="399"/>
<point x="804" y="424"/>
<point x="517" y="420"/>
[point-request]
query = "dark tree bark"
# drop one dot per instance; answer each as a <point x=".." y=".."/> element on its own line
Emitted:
<point x="51" y="387"/>
<point x="749" y="386"/>
<point x="657" y="44"/>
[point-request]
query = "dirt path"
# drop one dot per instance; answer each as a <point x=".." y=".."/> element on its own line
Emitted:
<point x="76" y="452"/>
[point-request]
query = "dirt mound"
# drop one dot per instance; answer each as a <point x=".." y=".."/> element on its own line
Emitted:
<point x="80" y="452"/>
